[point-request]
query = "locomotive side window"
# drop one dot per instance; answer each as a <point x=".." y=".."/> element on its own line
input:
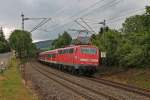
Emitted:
<point x="88" y="50"/>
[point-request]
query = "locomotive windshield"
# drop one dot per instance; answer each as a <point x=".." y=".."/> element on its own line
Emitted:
<point x="88" y="50"/>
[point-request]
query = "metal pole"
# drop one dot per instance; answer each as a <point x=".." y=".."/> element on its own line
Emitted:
<point x="22" y="16"/>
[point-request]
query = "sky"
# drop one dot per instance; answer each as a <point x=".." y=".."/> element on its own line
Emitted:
<point x="63" y="14"/>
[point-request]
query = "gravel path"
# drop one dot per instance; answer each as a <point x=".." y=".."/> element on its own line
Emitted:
<point x="4" y="59"/>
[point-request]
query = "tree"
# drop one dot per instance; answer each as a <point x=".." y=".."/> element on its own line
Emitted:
<point x="2" y="37"/>
<point x="147" y="9"/>
<point x="21" y="42"/>
<point x="4" y="46"/>
<point x="138" y="23"/>
<point x="108" y="42"/>
<point x="63" y="40"/>
<point x="134" y="50"/>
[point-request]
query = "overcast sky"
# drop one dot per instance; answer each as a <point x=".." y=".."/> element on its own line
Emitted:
<point x="63" y="14"/>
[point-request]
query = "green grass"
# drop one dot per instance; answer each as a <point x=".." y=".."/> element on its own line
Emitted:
<point x="11" y="86"/>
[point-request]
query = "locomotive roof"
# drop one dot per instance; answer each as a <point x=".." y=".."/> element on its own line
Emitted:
<point x="71" y="46"/>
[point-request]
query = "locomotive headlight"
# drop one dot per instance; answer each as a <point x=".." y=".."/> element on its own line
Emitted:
<point x="94" y="60"/>
<point x="90" y="60"/>
<point x="84" y="59"/>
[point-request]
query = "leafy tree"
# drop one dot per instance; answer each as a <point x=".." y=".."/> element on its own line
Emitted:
<point x="134" y="50"/>
<point x="147" y="9"/>
<point x="21" y="42"/>
<point x="2" y="37"/>
<point x="63" y="40"/>
<point x="108" y="42"/>
<point x="32" y="51"/>
<point x="138" y="23"/>
<point x="4" y="46"/>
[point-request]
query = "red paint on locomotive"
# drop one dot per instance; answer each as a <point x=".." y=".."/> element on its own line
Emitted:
<point x="84" y="57"/>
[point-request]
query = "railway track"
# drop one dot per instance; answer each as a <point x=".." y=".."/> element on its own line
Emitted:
<point x="74" y="85"/>
<point x="125" y="87"/>
<point x="137" y="93"/>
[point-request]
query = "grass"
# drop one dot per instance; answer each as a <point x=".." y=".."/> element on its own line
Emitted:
<point x="136" y="77"/>
<point x="11" y="85"/>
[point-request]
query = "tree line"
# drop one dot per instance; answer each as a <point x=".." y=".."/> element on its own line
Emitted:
<point x="129" y="47"/>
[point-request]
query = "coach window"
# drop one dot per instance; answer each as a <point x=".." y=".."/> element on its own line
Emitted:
<point x="54" y="55"/>
<point x="60" y="51"/>
<point x="67" y="50"/>
<point x="49" y="55"/>
<point x="70" y="50"/>
<point x="63" y="51"/>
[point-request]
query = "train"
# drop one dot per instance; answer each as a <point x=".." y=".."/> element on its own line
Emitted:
<point x="77" y="59"/>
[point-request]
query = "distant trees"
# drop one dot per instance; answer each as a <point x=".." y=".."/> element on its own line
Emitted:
<point x="21" y="42"/>
<point x="63" y="40"/>
<point x="4" y="46"/>
<point x="129" y="48"/>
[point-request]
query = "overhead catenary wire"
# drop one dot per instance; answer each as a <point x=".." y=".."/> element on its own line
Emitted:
<point x="41" y="24"/>
<point x="96" y="3"/>
<point x="81" y="12"/>
<point x="92" y="21"/>
<point x="105" y="6"/>
<point x="81" y="25"/>
<point x="111" y="3"/>
<point x="88" y="25"/>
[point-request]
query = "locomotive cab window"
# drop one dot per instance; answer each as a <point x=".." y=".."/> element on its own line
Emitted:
<point x="88" y="50"/>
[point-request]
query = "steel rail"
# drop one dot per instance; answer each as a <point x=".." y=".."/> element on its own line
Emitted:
<point x="129" y="88"/>
<point x="78" y="84"/>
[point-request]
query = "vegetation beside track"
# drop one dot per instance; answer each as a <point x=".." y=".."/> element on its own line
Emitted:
<point x="135" y="77"/>
<point x="11" y="85"/>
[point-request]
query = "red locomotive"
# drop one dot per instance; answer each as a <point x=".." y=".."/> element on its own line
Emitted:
<point x="79" y="59"/>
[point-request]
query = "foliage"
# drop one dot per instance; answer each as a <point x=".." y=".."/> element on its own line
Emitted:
<point x="134" y="50"/>
<point x="21" y="42"/>
<point x="63" y="40"/>
<point x="137" y="23"/>
<point x="108" y="42"/>
<point x="129" y="48"/>
<point x="4" y="46"/>
<point x="147" y="9"/>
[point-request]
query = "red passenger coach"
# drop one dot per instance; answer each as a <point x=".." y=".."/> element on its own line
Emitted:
<point x="80" y="59"/>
